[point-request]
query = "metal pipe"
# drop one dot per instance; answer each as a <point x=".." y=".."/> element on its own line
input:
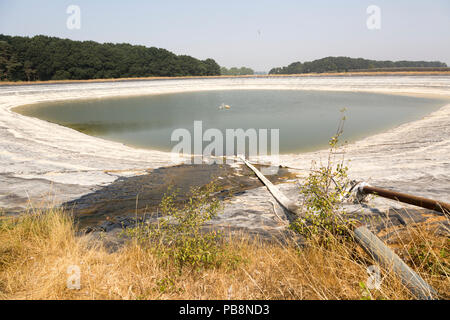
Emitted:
<point x="408" y="198"/>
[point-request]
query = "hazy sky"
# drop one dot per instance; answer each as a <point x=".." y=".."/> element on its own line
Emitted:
<point x="258" y="34"/>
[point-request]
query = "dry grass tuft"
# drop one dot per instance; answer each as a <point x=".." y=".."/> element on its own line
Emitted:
<point x="37" y="248"/>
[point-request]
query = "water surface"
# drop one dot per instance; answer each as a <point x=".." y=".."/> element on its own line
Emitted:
<point x="306" y="119"/>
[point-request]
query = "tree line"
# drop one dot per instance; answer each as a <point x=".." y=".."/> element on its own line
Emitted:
<point x="344" y="64"/>
<point x="236" y="71"/>
<point x="50" y="58"/>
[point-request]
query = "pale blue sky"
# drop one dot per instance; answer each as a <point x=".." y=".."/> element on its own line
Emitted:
<point x="258" y="34"/>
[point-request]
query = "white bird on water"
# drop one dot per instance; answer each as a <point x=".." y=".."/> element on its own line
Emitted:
<point x="224" y="106"/>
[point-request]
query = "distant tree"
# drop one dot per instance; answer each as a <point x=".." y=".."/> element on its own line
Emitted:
<point x="45" y="58"/>
<point x="344" y="64"/>
<point x="5" y="54"/>
<point x="212" y="68"/>
<point x="30" y="73"/>
<point x="236" y="71"/>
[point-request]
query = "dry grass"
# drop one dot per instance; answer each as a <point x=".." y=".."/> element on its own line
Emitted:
<point x="372" y="73"/>
<point x="37" y="248"/>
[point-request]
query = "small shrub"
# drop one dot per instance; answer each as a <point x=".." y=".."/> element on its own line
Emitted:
<point x="180" y="237"/>
<point x="323" y="193"/>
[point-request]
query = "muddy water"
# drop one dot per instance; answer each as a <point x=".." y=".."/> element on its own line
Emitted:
<point x="306" y="119"/>
<point x="141" y="195"/>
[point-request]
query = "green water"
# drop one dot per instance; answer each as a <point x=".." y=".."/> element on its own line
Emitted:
<point x="306" y="119"/>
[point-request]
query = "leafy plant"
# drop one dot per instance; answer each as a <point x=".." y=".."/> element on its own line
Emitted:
<point x="180" y="237"/>
<point x="165" y="284"/>
<point x="365" y="292"/>
<point x="435" y="263"/>
<point x="323" y="193"/>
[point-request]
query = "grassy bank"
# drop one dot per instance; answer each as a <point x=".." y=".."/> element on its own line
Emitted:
<point x="37" y="249"/>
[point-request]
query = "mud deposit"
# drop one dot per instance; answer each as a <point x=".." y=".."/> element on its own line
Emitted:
<point x="141" y="195"/>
